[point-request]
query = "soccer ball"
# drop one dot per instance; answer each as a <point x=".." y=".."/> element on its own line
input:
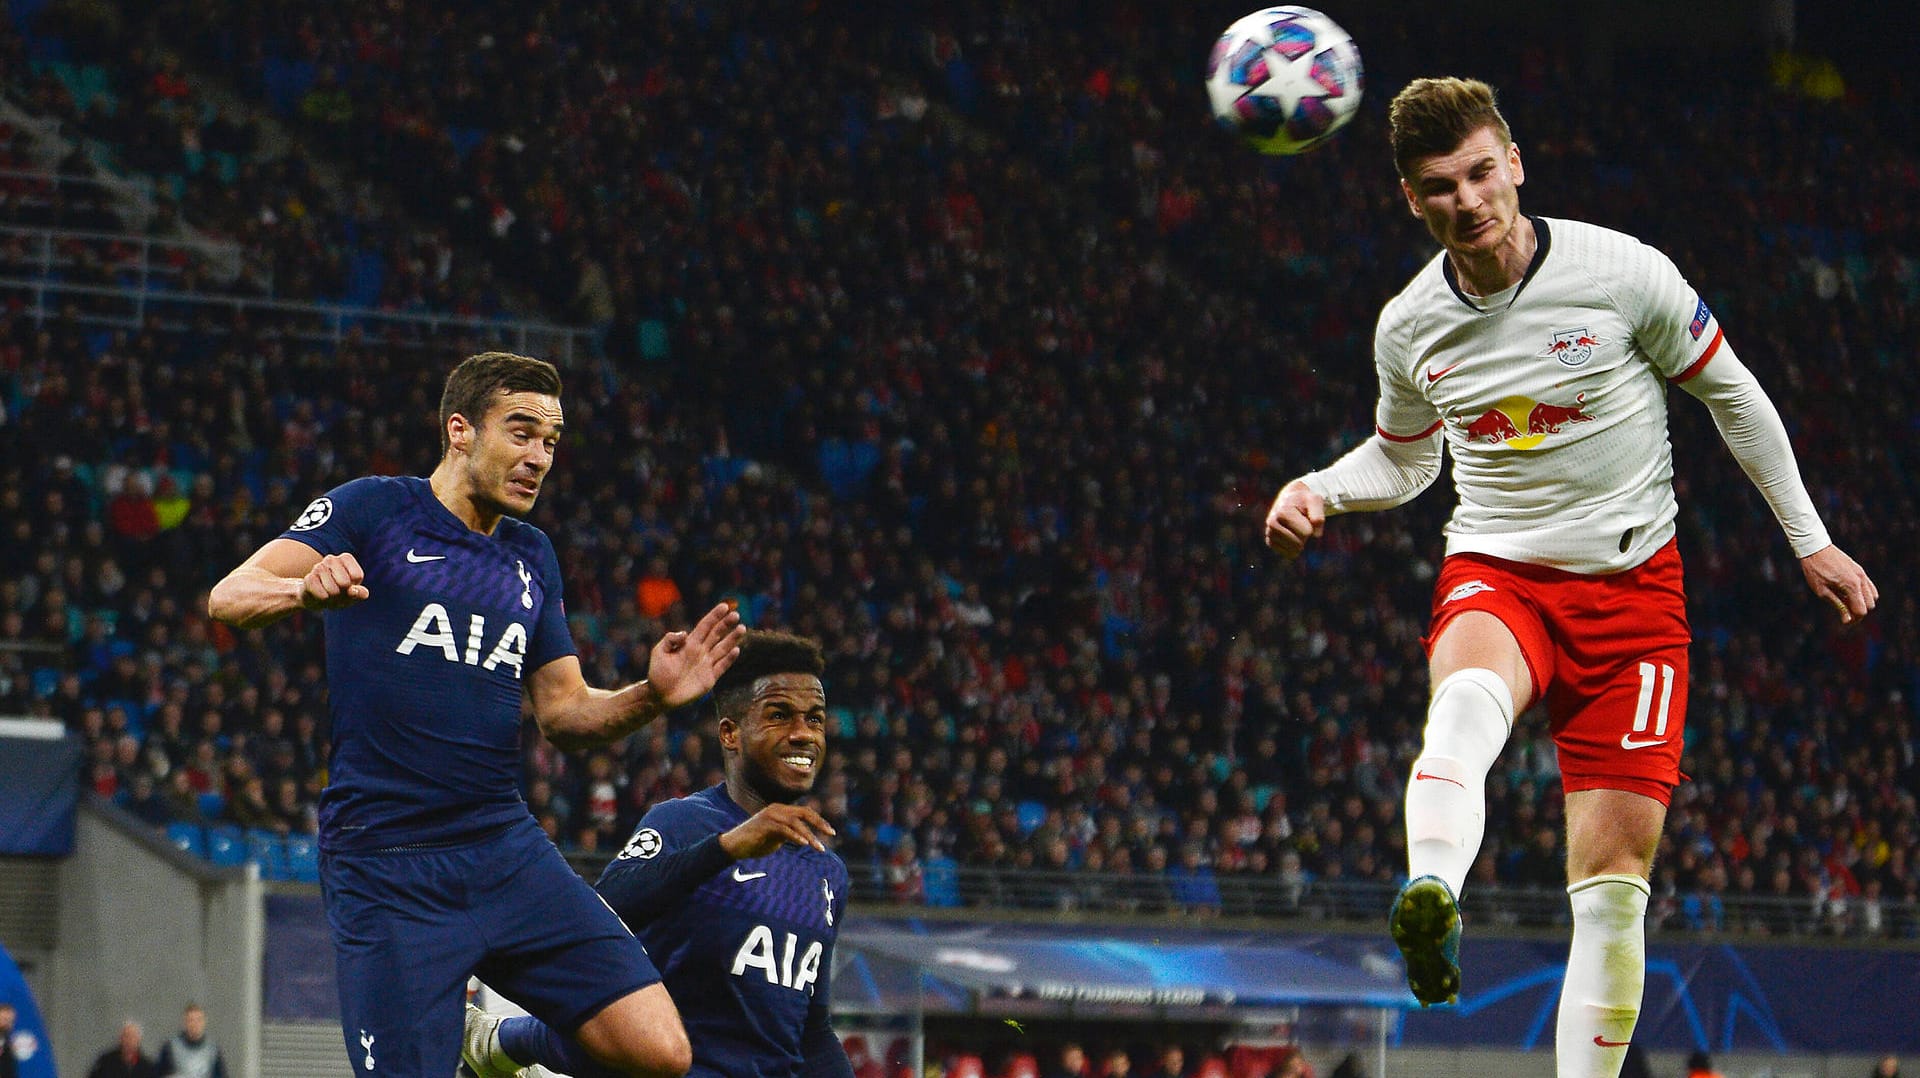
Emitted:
<point x="1285" y="79"/>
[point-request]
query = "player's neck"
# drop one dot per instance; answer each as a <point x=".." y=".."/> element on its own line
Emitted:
<point x="450" y="492"/>
<point x="742" y="793"/>
<point x="1484" y="274"/>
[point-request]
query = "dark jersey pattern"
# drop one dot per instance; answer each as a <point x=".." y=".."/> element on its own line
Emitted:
<point x="425" y="677"/>
<point x="748" y="953"/>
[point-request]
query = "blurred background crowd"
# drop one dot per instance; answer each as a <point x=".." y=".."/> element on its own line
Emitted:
<point x="961" y="342"/>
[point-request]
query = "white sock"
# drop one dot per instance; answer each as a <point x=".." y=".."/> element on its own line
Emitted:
<point x="1446" y="810"/>
<point x="1606" y="973"/>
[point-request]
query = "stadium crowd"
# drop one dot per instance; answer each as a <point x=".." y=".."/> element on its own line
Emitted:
<point x="979" y="359"/>
<point x="215" y="176"/>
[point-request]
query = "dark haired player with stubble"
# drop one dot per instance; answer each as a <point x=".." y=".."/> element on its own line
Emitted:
<point x="443" y="612"/>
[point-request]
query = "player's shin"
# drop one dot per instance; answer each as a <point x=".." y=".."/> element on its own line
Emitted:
<point x="1606" y="974"/>
<point x="1446" y="807"/>
<point x="529" y="1040"/>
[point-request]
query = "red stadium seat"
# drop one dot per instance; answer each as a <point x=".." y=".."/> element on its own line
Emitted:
<point x="1021" y="1065"/>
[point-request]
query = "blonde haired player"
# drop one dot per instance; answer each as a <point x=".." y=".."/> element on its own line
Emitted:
<point x="1539" y="352"/>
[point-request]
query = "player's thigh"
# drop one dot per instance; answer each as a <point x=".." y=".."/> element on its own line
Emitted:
<point x="402" y="951"/>
<point x="641" y="1030"/>
<point x="1484" y="617"/>
<point x="1619" y="704"/>
<point x="1612" y="832"/>
<point x="554" y="946"/>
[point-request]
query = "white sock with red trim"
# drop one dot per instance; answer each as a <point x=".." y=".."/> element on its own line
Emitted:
<point x="1467" y="723"/>
<point x="1606" y="975"/>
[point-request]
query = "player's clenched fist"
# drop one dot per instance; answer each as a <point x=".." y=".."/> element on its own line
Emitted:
<point x="1298" y="514"/>
<point x="333" y="582"/>
<point x="773" y="827"/>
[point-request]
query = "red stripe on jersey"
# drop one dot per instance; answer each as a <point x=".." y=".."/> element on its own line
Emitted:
<point x="1422" y="436"/>
<point x="1712" y="346"/>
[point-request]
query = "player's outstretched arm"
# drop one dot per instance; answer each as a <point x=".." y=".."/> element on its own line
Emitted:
<point x="654" y="873"/>
<point x="281" y="578"/>
<point x="1298" y="514"/>
<point x="1839" y="580"/>
<point x="682" y="669"/>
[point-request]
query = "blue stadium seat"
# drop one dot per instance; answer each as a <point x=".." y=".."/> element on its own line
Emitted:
<point x="212" y="804"/>
<point x="187" y="837"/>
<point x="940" y="877"/>
<point x="226" y="845"/>
<point x="1031" y="815"/>
<point x="303" y="858"/>
<point x="265" y="849"/>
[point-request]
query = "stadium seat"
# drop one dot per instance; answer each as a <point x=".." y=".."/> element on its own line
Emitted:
<point x="1021" y="1065"/>
<point x="940" y="878"/>
<point x="1211" y="1067"/>
<point x="213" y="804"/>
<point x="1031" y="815"/>
<point x="303" y="858"/>
<point x="965" y="1065"/>
<point x="266" y="849"/>
<point x="187" y="837"/>
<point x="226" y="845"/>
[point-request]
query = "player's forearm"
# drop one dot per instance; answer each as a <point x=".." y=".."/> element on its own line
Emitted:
<point x="1751" y="427"/>
<point x="1377" y="474"/>
<point x="596" y="717"/>
<point x="250" y="597"/>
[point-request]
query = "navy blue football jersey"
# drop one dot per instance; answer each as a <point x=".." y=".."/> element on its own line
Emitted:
<point x="748" y="955"/>
<point x="425" y="677"/>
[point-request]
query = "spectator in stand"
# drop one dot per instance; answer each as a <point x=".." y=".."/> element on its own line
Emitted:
<point x="190" y="1053"/>
<point x="9" y="1061"/>
<point x="1070" y="1063"/>
<point x="126" y="1059"/>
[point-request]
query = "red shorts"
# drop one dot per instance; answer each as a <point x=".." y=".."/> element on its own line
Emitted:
<point x="1608" y="654"/>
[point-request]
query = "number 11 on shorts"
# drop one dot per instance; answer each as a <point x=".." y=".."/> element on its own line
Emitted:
<point x="1642" y="711"/>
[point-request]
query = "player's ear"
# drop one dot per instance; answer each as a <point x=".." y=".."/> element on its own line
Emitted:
<point x="1513" y="164"/>
<point x="729" y="732"/>
<point x="460" y="433"/>
<point x="1413" y="203"/>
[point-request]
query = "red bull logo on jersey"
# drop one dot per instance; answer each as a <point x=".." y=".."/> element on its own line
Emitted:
<point x="1523" y="423"/>
<point x="1573" y="347"/>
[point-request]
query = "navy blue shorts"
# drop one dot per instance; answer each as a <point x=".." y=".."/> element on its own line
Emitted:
<point x="410" y="925"/>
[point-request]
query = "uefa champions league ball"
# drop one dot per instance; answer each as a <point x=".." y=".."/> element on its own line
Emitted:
<point x="1285" y="79"/>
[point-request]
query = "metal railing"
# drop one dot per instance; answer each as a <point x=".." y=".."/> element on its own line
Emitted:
<point x="65" y="249"/>
<point x="332" y="325"/>
<point x="132" y="197"/>
<point x="1359" y="903"/>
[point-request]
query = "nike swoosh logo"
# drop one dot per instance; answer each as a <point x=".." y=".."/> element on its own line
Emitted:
<point x="1435" y="376"/>
<point x="1418" y="775"/>
<point x="1604" y="1043"/>
<point x="1627" y="742"/>
<point x="418" y="558"/>
<point x="747" y="876"/>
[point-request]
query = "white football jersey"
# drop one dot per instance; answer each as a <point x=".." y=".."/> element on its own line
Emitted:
<point x="1552" y="395"/>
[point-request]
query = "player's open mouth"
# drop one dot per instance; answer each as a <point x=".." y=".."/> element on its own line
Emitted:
<point x="527" y="487"/>
<point x="798" y="763"/>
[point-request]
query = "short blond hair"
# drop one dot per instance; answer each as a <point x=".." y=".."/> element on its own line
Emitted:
<point x="1432" y="116"/>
